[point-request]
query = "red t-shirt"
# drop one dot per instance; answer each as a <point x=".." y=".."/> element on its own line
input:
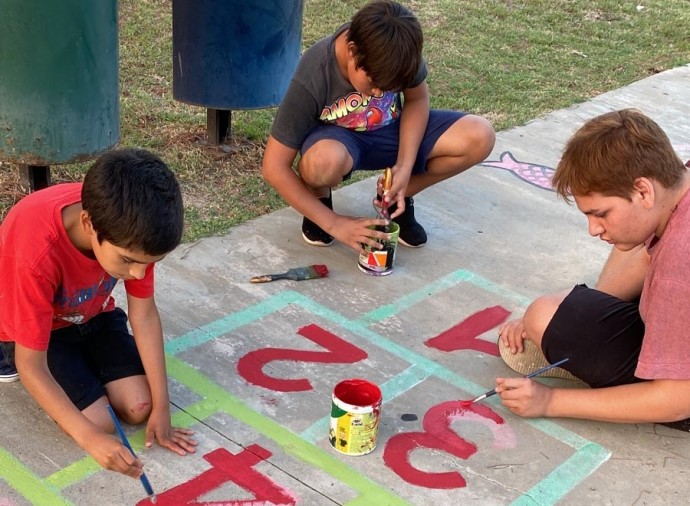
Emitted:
<point x="665" y="301"/>
<point x="45" y="282"/>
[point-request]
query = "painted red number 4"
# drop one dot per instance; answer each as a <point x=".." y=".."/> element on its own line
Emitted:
<point x="228" y="467"/>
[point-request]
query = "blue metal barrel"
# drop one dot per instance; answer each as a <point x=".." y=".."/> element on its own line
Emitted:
<point x="235" y="54"/>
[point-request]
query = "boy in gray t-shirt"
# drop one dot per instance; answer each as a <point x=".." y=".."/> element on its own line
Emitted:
<point x="359" y="101"/>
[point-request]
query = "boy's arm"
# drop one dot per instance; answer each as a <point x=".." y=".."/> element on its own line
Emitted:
<point x="413" y="121"/>
<point x="277" y="170"/>
<point x="104" y="448"/>
<point x="148" y="334"/>
<point x="624" y="272"/>
<point x="645" y="402"/>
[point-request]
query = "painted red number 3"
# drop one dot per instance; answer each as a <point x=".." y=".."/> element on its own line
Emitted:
<point x="438" y="435"/>
<point x="250" y="367"/>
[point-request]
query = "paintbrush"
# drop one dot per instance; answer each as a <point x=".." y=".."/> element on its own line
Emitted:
<point x="530" y="375"/>
<point x="387" y="182"/>
<point x="144" y="480"/>
<point x="296" y="274"/>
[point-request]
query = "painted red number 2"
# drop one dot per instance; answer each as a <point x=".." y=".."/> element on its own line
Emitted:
<point x="438" y="435"/>
<point x="228" y="467"/>
<point x="250" y="367"/>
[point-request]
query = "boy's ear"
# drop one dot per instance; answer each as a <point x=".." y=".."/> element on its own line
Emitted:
<point x="644" y="191"/>
<point x="351" y="50"/>
<point x="85" y="222"/>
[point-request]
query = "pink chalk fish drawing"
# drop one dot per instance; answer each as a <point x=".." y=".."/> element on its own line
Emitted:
<point x="532" y="173"/>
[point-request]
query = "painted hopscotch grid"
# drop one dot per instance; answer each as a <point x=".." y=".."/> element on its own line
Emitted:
<point x="588" y="456"/>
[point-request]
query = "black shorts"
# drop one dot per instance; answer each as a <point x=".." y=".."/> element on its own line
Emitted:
<point x="601" y="335"/>
<point x="83" y="358"/>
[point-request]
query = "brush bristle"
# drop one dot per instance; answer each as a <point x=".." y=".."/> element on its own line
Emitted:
<point x="320" y="270"/>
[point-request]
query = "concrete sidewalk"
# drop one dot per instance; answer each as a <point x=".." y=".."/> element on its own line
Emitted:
<point x="253" y="367"/>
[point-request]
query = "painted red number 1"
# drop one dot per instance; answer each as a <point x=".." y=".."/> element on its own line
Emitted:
<point x="228" y="467"/>
<point x="250" y="367"/>
<point x="464" y="335"/>
<point x="438" y="435"/>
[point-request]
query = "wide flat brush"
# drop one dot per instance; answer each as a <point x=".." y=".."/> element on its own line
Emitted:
<point x="530" y="375"/>
<point x="296" y="274"/>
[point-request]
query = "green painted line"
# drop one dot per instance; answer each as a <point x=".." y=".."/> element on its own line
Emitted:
<point x="208" y="332"/>
<point x="217" y="399"/>
<point x="565" y="477"/>
<point x="81" y="469"/>
<point x="30" y="486"/>
<point x="409" y="300"/>
<point x="73" y="473"/>
<point x="444" y="283"/>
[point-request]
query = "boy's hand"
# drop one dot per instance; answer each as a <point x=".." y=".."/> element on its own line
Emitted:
<point x="111" y="454"/>
<point x="175" y="439"/>
<point x="396" y="193"/>
<point x="354" y="232"/>
<point x="523" y="396"/>
<point x="512" y="334"/>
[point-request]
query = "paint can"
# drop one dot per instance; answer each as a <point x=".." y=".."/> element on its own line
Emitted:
<point x="379" y="262"/>
<point x="355" y="413"/>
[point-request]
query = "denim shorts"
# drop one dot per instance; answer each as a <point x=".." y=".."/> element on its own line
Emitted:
<point x="377" y="149"/>
<point x="600" y="334"/>
<point x="83" y="358"/>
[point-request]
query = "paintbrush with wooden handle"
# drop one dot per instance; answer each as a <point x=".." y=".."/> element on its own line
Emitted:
<point x="296" y="274"/>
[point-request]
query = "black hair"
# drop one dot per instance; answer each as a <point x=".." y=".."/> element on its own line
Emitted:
<point x="134" y="201"/>
<point x="388" y="44"/>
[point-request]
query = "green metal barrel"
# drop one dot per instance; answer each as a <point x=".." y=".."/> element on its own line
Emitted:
<point x="58" y="80"/>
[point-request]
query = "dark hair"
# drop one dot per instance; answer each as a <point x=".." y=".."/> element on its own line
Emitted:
<point x="609" y="152"/>
<point x="134" y="201"/>
<point x="388" y="44"/>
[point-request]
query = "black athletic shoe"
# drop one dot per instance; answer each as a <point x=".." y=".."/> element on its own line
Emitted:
<point x="314" y="234"/>
<point x="683" y="425"/>
<point x="412" y="234"/>
<point x="8" y="372"/>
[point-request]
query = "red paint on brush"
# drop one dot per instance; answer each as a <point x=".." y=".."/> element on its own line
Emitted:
<point x="320" y="270"/>
<point x="464" y="404"/>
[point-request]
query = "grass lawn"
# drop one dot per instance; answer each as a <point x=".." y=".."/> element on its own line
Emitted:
<point x="507" y="60"/>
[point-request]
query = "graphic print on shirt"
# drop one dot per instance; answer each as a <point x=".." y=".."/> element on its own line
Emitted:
<point x="362" y="114"/>
<point x="75" y="308"/>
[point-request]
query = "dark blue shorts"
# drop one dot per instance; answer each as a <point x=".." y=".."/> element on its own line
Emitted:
<point x="83" y="358"/>
<point x="600" y="334"/>
<point x="378" y="149"/>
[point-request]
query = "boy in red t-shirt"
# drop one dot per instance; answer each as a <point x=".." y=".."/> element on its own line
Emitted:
<point x="62" y="251"/>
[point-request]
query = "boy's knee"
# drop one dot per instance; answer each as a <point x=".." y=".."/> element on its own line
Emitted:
<point x="539" y="315"/>
<point x="137" y="412"/>
<point x="482" y="137"/>
<point x="325" y="164"/>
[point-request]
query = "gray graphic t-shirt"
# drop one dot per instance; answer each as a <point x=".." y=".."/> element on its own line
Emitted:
<point x="319" y="94"/>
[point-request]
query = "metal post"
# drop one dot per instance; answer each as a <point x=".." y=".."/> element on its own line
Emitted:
<point x="218" y="123"/>
<point x="34" y="177"/>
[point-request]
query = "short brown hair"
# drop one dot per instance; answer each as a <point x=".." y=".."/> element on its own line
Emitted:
<point x="388" y="44"/>
<point x="609" y="152"/>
